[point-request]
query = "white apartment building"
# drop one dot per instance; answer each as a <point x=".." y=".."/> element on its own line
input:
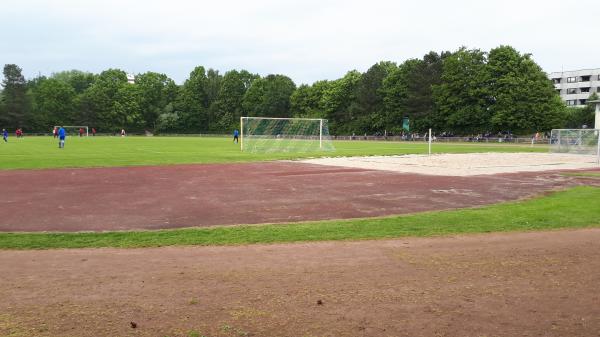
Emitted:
<point x="576" y="86"/>
<point x="131" y="78"/>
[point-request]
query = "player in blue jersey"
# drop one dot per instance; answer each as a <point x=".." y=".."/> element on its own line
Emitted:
<point x="62" y="134"/>
<point x="5" y="135"/>
<point x="236" y="135"/>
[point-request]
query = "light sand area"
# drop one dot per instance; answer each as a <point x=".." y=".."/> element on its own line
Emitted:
<point x="467" y="164"/>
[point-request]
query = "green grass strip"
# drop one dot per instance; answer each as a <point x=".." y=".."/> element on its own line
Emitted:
<point x="594" y="175"/>
<point x="574" y="208"/>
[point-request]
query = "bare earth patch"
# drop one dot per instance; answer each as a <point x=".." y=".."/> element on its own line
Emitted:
<point x="523" y="284"/>
<point x="468" y="164"/>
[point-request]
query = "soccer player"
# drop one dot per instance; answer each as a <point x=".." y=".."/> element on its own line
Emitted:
<point x="236" y="135"/>
<point x="93" y="132"/>
<point x="80" y="132"/>
<point x="5" y="135"/>
<point x="61" y="137"/>
<point x="55" y="132"/>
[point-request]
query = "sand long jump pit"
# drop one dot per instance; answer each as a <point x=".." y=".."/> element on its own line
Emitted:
<point x="467" y="164"/>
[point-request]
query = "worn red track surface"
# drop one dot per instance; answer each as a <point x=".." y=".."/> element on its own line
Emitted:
<point x="155" y="197"/>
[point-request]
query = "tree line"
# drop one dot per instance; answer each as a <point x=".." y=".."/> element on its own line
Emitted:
<point x="467" y="91"/>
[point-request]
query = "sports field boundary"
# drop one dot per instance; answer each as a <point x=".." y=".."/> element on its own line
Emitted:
<point x="553" y="210"/>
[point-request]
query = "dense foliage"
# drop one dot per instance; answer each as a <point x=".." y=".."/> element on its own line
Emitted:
<point x="468" y="91"/>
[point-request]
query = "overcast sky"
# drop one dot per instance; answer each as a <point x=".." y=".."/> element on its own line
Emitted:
<point x="307" y="40"/>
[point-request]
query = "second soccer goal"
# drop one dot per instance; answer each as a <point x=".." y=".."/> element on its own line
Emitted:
<point x="263" y="134"/>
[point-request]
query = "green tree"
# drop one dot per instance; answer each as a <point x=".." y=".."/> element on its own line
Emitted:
<point x="78" y="80"/>
<point x="213" y="86"/>
<point x="228" y="104"/>
<point x="192" y="102"/>
<point x="53" y="103"/>
<point x="14" y="99"/>
<point x="463" y="98"/>
<point x="524" y="99"/>
<point x="421" y="78"/>
<point x="368" y="109"/>
<point x="395" y="93"/>
<point x="126" y="111"/>
<point x="578" y="117"/>
<point x="97" y="103"/>
<point x="156" y="92"/>
<point x="269" y="97"/>
<point x="306" y="101"/>
<point x="339" y="102"/>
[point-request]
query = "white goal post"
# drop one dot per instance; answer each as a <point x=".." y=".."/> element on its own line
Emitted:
<point x="269" y="134"/>
<point x="74" y="127"/>
<point x="578" y="141"/>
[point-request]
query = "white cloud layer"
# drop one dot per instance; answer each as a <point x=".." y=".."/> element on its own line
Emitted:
<point x="307" y="40"/>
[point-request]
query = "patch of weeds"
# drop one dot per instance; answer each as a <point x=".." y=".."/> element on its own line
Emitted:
<point x="242" y="333"/>
<point x="193" y="333"/>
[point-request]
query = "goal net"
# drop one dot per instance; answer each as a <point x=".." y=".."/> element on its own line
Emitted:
<point x="74" y="130"/>
<point x="580" y="141"/>
<point x="262" y="134"/>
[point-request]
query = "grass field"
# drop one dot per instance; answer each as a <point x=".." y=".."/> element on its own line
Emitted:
<point x="593" y="175"/>
<point x="543" y="213"/>
<point x="43" y="152"/>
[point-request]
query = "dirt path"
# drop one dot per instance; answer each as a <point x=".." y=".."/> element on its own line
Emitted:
<point x="226" y="194"/>
<point x="525" y="284"/>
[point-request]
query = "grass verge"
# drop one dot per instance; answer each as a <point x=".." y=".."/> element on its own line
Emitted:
<point x="574" y="208"/>
<point x="593" y="175"/>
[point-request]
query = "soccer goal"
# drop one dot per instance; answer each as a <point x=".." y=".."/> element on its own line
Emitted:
<point x="579" y="141"/>
<point x="73" y="130"/>
<point x="263" y="134"/>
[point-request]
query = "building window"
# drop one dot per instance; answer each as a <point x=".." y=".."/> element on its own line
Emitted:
<point x="585" y="89"/>
<point x="556" y="80"/>
<point x="571" y="102"/>
<point x="571" y="91"/>
<point x="582" y="101"/>
<point x="571" y="79"/>
<point x="585" y="78"/>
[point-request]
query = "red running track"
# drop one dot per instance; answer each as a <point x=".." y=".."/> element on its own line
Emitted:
<point x="152" y="197"/>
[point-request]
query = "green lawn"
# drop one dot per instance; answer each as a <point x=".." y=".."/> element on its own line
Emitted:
<point x="543" y="213"/>
<point x="43" y="152"/>
<point x="593" y="175"/>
